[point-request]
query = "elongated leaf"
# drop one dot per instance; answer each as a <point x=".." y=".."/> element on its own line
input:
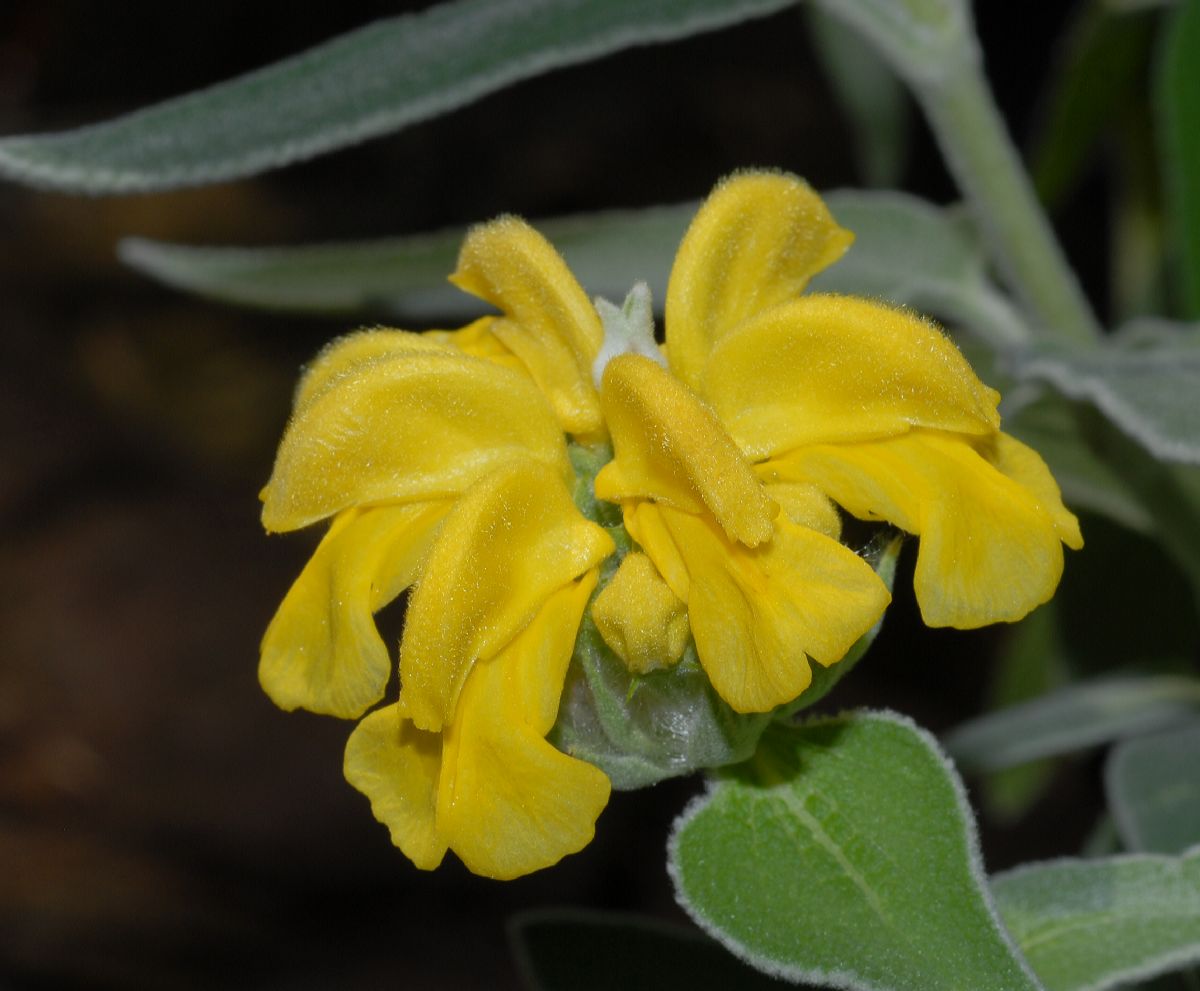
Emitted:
<point x="406" y="276"/>
<point x="368" y="82"/>
<point x="1153" y="789"/>
<point x="597" y="951"/>
<point x="906" y="251"/>
<point x="1083" y="715"/>
<point x="1178" y="105"/>
<point x="845" y="854"/>
<point x="1088" y="925"/>
<point x="1145" y="380"/>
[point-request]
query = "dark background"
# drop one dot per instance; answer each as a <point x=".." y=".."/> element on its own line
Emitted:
<point x="161" y="824"/>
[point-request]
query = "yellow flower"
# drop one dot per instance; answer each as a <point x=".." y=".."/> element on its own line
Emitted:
<point x="443" y="463"/>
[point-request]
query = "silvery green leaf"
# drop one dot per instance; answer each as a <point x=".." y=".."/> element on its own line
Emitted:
<point x="368" y="82"/>
<point x="845" y="854"/>
<point x="1090" y="925"/>
<point x="1145" y="379"/>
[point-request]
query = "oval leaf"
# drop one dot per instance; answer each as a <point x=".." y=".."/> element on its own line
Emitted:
<point x="1087" y="925"/>
<point x="367" y="82"/>
<point x="841" y="855"/>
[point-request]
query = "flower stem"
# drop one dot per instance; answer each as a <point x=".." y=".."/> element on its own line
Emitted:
<point x="982" y="158"/>
<point x="932" y="46"/>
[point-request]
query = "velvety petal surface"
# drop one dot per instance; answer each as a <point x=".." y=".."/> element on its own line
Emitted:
<point x="755" y="243"/>
<point x="990" y="550"/>
<point x="408" y="426"/>
<point x="670" y="447"/>
<point x="508" y="802"/>
<point x="833" y="369"/>
<point x="508" y="544"/>
<point x="478" y="340"/>
<point x="322" y="651"/>
<point x="640" y="618"/>
<point x="397" y="767"/>
<point x="554" y="329"/>
<point x="347" y="353"/>
<point x="759" y="614"/>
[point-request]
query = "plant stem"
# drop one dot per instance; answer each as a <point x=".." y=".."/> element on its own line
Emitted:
<point x="981" y="156"/>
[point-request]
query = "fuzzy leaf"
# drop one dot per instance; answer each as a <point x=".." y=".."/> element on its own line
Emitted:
<point x="362" y="84"/>
<point x="845" y="854"/>
<point x="1089" y="925"/>
<point x="1145" y="379"/>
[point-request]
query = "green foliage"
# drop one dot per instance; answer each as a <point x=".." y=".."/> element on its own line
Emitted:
<point x="405" y="277"/>
<point x="1088" y="925"/>
<point x="1154" y="790"/>
<point x="1145" y="379"/>
<point x="845" y="853"/>
<point x="593" y="951"/>
<point x="365" y="83"/>
<point x="1081" y="715"/>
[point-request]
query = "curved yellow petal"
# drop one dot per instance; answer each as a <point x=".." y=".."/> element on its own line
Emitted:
<point x="644" y="523"/>
<point x="410" y="426"/>
<point x="990" y="551"/>
<point x="755" y="243"/>
<point x="477" y="339"/>
<point x="322" y="651"/>
<point x="669" y="447"/>
<point x="827" y="369"/>
<point x="509" y="543"/>
<point x="397" y="767"/>
<point x="758" y="615"/>
<point x="1025" y="466"/>
<point x="805" y="505"/>
<point x="508" y="802"/>
<point x="554" y="329"/>
<point x="640" y="618"/>
<point x="346" y="353"/>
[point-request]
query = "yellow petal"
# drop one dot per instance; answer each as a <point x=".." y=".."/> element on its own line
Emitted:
<point x="554" y="328"/>
<point x="322" y="651"/>
<point x="640" y="618"/>
<point x="669" y="447"/>
<point x="644" y="524"/>
<point x="758" y="615"/>
<point x="506" y="546"/>
<point x="1025" y="466"/>
<point x="353" y="350"/>
<point x="990" y="552"/>
<point x="827" y="369"/>
<point x="806" y="505"/>
<point x="477" y="339"/>
<point x="397" y="767"/>
<point x="410" y="426"/>
<point x="757" y="240"/>
<point x="508" y="802"/>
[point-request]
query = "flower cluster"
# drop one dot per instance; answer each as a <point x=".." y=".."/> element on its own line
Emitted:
<point x="442" y="461"/>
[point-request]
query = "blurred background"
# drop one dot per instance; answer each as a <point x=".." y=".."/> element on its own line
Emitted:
<point x="162" y="825"/>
